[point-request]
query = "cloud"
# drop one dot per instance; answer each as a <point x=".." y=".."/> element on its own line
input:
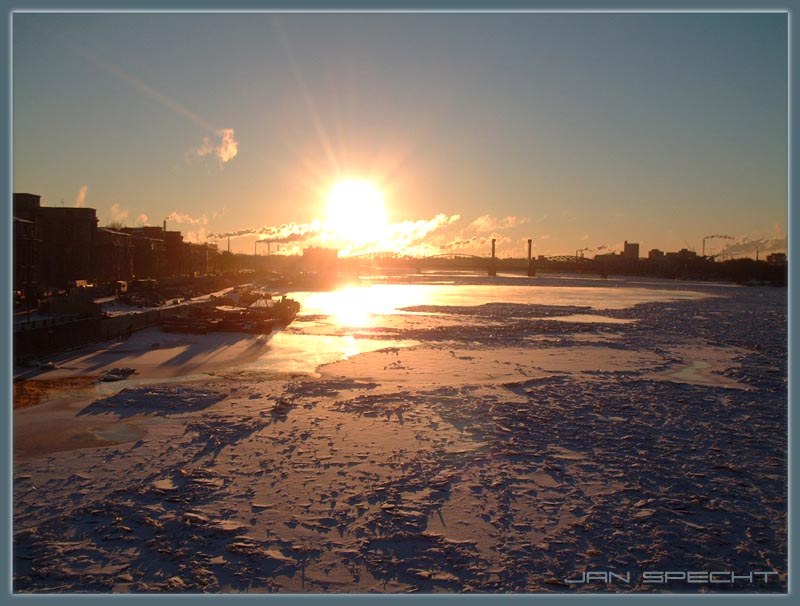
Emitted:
<point x="487" y="223"/>
<point x="228" y="148"/>
<point x="544" y="237"/>
<point x="409" y="237"/>
<point x="116" y="214"/>
<point x="406" y="237"/>
<point x="80" y="199"/>
<point x="473" y="243"/>
<point x="184" y="218"/>
<point x="225" y="151"/>
<point x="141" y="219"/>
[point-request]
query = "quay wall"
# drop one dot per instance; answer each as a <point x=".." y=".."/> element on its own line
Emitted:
<point x="55" y="335"/>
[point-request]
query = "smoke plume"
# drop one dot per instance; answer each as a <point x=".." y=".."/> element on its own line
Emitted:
<point x="288" y="232"/>
<point x="747" y="247"/>
<point x="80" y="199"/>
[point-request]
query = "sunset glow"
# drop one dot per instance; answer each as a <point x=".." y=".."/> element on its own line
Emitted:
<point x="400" y="301"/>
<point x="356" y="211"/>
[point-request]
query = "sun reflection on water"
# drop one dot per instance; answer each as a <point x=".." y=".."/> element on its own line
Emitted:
<point x="360" y="306"/>
<point x="343" y="323"/>
<point x="363" y="306"/>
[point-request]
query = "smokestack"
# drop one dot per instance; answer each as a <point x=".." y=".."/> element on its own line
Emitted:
<point x="531" y="268"/>
<point x="229" y="244"/>
<point x="492" y="269"/>
<point x="165" y="225"/>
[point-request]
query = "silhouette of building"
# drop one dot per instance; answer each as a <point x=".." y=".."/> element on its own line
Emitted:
<point x="114" y="255"/>
<point x="201" y="259"/>
<point x="684" y="254"/>
<point x="149" y="254"/>
<point x="630" y="250"/>
<point x="606" y="256"/>
<point x="67" y="240"/>
<point x="777" y="259"/>
<point x="655" y="254"/>
<point x="27" y="256"/>
<point x="57" y="247"/>
<point x="173" y="251"/>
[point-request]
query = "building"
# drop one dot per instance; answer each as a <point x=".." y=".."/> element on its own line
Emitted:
<point x="631" y="250"/>
<point x="173" y="250"/>
<point x="777" y="259"/>
<point x="684" y="254"/>
<point x="655" y="255"/>
<point x="67" y="240"/>
<point x="27" y="256"/>
<point x="114" y="255"/>
<point x="150" y="255"/>
<point x="606" y="256"/>
<point x="54" y="247"/>
<point x="200" y="259"/>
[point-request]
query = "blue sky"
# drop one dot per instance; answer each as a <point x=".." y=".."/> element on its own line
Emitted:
<point x="577" y="130"/>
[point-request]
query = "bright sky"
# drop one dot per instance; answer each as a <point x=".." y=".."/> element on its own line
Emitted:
<point x="577" y="130"/>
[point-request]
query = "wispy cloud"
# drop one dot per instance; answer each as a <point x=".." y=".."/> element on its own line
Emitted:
<point x="225" y="150"/>
<point x="490" y="224"/>
<point x="227" y="147"/>
<point x="467" y="244"/>
<point x="406" y="233"/>
<point x="178" y="217"/>
<point x="80" y="199"/>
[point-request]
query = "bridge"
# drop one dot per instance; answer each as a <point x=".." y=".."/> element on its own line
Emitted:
<point x="466" y="261"/>
<point x="455" y="256"/>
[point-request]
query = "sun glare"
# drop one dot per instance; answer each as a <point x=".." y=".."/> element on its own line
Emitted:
<point x="356" y="211"/>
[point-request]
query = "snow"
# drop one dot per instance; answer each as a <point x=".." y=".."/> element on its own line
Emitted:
<point x="457" y="448"/>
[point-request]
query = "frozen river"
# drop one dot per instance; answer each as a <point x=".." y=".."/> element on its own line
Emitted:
<point x="342" y="323"/>
<point x="429" y="434"/>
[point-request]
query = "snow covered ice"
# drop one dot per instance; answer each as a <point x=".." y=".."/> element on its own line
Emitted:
<point x="500" y="443"/>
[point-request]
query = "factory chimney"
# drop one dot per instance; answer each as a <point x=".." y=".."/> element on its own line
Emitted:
<point x="492" y="268"/>
<point x="531" y="268"/>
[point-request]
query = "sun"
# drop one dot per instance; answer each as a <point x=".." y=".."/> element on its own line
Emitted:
<point x="356" y="211"/>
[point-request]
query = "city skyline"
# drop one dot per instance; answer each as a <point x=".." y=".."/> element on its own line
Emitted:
<point x="576" y="130"/>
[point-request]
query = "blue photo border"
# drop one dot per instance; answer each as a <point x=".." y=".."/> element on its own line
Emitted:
<point x="6" y="476"/>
